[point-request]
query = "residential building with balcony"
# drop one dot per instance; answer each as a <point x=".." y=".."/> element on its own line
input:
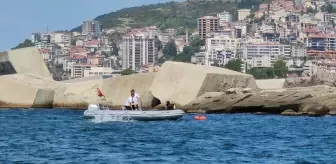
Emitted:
<point x="321" y="42"/>
<point x="224" y="17"/>
<point x="206" y="25"/>
<point x="77" y="70"/>
<point x="91" y="28"/>
<point x="170" y="31"/>
<point x="97" y="71"/>
<point x="138" y="50"/>
<point x="243" y="14"/>
<point x="220" y="49"/>
<point x="70" y="61"/>
<point x="265" y="54"/>
<point x="242" y="26"/>
<point x="61" y="38"/>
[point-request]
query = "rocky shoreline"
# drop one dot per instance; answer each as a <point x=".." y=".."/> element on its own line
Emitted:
<point x="310" y="101"/>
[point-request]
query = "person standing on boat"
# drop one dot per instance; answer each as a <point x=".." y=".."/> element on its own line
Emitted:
<point x="133" y="102"/>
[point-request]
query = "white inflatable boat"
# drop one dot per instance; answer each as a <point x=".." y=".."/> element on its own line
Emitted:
<point x="103" y="113"/>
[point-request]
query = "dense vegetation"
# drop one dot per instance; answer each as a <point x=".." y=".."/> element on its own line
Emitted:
<point x="171" y="14"/>
<point x="170" y="51"/>
<point x="127" y="71"/>
<point x="278" y="70"/>
<point x="24" y="44"/>
<point x="234" y="65"/>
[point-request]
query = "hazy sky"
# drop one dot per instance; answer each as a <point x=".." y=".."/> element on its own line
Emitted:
<point x="20" y="18"/>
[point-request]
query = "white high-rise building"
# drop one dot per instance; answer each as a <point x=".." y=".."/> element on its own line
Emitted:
<point x="243" y="13"/>
<point x="224" y="17"/>
<point x="91" y="28"/>
<point x="61" y="38"/>
<point x="138" y="50"/>
<point x="220" y="49"/>
<point x="265" y="54"/>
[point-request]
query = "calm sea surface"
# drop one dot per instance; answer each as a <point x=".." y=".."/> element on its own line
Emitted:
<point x="63" y="136"/>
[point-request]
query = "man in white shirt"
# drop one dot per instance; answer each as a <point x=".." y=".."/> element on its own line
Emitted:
<point x="133" y="102"/>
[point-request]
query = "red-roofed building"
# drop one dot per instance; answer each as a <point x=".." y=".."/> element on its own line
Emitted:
<point x="311" y="31"/>
<point x="78" y="51"/>
<point x="46" y="54"/>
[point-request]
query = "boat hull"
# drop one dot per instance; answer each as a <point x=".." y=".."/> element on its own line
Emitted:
<point x="94" y="112"/>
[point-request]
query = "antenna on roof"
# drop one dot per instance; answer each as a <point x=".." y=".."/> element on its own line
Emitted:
<point x="47" y="29"/>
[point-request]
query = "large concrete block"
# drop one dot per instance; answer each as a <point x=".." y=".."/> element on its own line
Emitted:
<point x="117" y="89"/>
<point x="271" y="83"/>
<point x="20" y="90"/>
<point x="181" y="83"/>
<point x="44" y="98"/>
<point x="6" y="67"/>
<point x="77" y="95"/>
<point x="28" y="60"/>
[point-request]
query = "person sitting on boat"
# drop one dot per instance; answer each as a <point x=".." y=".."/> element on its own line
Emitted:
<point x="170" y="106"/>
<point x="133" y="102"/>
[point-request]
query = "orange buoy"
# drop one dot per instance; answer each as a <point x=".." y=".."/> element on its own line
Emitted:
<point x="203" y="118"/>
<point x="197" y="117"/>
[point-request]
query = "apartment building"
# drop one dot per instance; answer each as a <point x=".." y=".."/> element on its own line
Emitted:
<point x="265" y="54"/>
<point x="97" y="71"/>
<point x="220" y="49"/>
<point x="36" y="37"/>
<point x="91" y="28"/>
<point x="170" y="31"/>
<point x="298" y="52"/>
<point x="138" y="50"/>
<point x="61" y="38"/>
<point x="321" y="42"/>
<point x="242" y="26"/>
<point x="77" y="70"/>
<point x="224" y="17"/>
<point x="206" y="25"/>
<point x="243" y="14"/>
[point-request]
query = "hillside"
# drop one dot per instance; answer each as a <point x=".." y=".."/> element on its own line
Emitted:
<point x="171" y="14"/>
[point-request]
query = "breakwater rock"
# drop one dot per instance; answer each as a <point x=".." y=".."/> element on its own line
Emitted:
<point x="194" y="88"/>
<point x="312" y="101"/>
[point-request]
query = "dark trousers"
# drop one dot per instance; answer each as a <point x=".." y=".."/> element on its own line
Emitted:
<point x="133" y="107"/>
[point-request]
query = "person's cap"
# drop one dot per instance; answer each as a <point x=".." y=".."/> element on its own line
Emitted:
<point x="132" y="90"/>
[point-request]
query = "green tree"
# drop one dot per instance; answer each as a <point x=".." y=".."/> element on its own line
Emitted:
<point x="257" y="73"/>
<point x="311" y="10"/>
<point x="115" y="48"/>
<point x="234" y="65"/>
<point x="170" y="51"/>
<point x="197" y="42"/>
<point x="280" y="69"/>
<point x="328" y="8"/>
<point x="127" y="71"/>
<point x="186" y="55"/>
<point x="158" y="43"/>
<point x="269" y="72"/>
<point x="26" y="43"/>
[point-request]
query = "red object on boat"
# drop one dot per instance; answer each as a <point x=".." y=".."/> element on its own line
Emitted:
<point x="100" y="93"/>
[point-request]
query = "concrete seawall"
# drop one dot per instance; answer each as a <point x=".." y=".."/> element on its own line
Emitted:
<point x="26" y="82"/>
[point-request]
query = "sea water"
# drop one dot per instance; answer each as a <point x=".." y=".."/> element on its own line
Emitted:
<point x="64" y="136"/>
